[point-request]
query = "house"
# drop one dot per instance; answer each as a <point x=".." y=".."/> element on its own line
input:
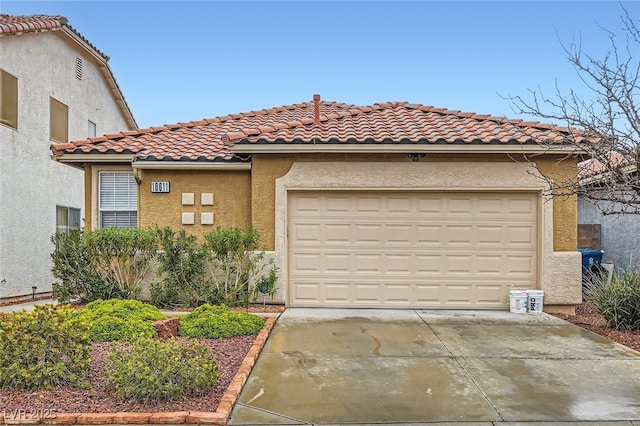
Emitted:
<point x="617" y="233"/>
<point x="55" y="87"/>
<point x="392" y="205"/>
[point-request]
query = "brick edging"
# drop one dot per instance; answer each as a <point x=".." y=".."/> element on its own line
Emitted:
<point x="218" y="417"/>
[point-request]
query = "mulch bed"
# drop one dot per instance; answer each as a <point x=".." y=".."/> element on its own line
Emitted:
<point x="588" y="318"/>
<point x="100" y="399"/>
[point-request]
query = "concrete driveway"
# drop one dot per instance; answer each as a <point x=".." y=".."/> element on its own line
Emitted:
<point x="339" y="366"/>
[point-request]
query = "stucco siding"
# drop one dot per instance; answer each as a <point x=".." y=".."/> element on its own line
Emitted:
<point x="565" y="208"/>
<point x="230" y="190"/>
<point x="619" y="235"/>
<point x="31" y="183"/>
<point x="559" y="271"/>
<point x="267" y="168"/>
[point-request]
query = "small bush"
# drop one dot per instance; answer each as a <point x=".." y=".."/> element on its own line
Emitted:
<point x="124" y="308"/>
<point x="217" y="322"/>
<point x="111" y="320"/>
<point x="227" y="268"/>
<point x="182" y="264"/>
<point x="618" y="301"/>
<point x="41" y="349"/>
<point x="235" y="264"/>
<point x="109" y="329"/>
<point x="152" y="370"/>
<point x="123" y="256"/>
<point x="73" y="265"/>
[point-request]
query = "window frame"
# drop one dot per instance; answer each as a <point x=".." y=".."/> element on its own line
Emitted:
<point x="96" y="217"/>
<point x="58" y="125"/>
<point x="66" y="228"/>
<point x="12" y="121"/>
<point x="92" y="129"/>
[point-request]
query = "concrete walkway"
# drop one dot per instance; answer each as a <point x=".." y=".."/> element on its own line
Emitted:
<point x="334" y="366"/>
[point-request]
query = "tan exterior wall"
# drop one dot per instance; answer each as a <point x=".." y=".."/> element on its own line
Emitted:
<point x="231" y="199"/>
<point x="234" y="204"/>
<point x="267" y="168"/>
<point x="565" y="209"/>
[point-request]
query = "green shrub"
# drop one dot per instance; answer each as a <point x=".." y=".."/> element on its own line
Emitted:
<point x="124" y="308"/>
<point x="223" y="270"/>
<point x="217" y="322"/>
<point x="73" y="265"/>
<point x="618" y="301"/>
<point x="123" y="256"/>
<point x="182" y="265"/>
<point x="109" y="329"/>
<point x="236" y="265"/>
<point x="152" y="370"/>
<point x="115" y="319"/>
<point x="41" y="349"/>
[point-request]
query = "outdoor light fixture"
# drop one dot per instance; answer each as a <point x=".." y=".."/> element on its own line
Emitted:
<point x="415" y="157"/>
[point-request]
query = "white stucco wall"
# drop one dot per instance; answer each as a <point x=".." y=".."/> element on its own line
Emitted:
<point x="31" y="183"/>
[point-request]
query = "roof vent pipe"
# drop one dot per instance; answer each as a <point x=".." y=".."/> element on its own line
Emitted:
<point x="316" y="104"/>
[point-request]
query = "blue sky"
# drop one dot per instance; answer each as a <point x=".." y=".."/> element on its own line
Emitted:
<point x="179" y="61"/>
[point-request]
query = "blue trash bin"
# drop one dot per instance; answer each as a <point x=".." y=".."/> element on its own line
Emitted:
<point x="592" y="271"/>
<point x="590" y="258"/>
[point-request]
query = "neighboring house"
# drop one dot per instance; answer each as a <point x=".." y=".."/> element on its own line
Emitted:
<point x="54" y="87"/>
<point x="393" y="205"/>
<point x="618" y="234"/>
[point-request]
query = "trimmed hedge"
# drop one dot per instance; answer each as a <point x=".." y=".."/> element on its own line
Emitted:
<point x="218" y="321"/>
<point x="152" y="370"/>
<point x="42" y="349"/>
<point x="115" y="319"/>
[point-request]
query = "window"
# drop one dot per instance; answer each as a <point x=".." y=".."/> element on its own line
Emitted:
<point x="117" y="200"/>
<point x="67" y="218"/>
<point x="8" y="100"/>
<point x="91" y="129"/>
<point x="58" y="121"/>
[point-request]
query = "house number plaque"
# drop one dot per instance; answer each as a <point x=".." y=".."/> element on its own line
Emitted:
<point x="161" y="187"/>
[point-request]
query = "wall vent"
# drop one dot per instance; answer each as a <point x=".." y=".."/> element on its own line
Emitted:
<point x="79" y="68"/>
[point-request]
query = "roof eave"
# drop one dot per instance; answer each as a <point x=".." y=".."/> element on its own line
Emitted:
<point x="107" y="74"/>
<point x="601" y="176"/>
<point x="191" y="165"/>
<point x="93" y="158"/>
<point x="404" y="148"/>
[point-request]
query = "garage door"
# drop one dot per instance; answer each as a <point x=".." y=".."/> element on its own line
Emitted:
<point x="410" y="249"/>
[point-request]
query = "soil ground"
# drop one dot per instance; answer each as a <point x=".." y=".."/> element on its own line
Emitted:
<point x="587" y="318"/>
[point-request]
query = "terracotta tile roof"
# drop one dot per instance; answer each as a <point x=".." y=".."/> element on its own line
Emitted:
<point x="196" y="140"/>
<point x="18" y="24"/>
<point x="404" y="123"/>
<point x="612" y="161"/>
<point x="385" y="123"/>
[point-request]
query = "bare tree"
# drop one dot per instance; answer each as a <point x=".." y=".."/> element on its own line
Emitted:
<point x="604" y="129"/>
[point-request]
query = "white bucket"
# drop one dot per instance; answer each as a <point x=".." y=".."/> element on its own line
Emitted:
<point x="518" y="301"/>
<point x="534" y="300"/>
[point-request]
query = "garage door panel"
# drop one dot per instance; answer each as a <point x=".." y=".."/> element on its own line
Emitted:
<point x="399" y="264"/>
<point x="448" y="250"/>
<point x="307" y="263"/>
<point x="429" y="264"/>
<point x="459" y="235"/>
<point x="520" y="235"/>
<point x="367" y="234"/>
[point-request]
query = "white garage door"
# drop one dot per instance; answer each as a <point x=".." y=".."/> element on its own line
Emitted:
<point x="410" y="249"/>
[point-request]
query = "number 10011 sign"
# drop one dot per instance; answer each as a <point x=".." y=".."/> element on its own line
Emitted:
<point x="160" y="186"/>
